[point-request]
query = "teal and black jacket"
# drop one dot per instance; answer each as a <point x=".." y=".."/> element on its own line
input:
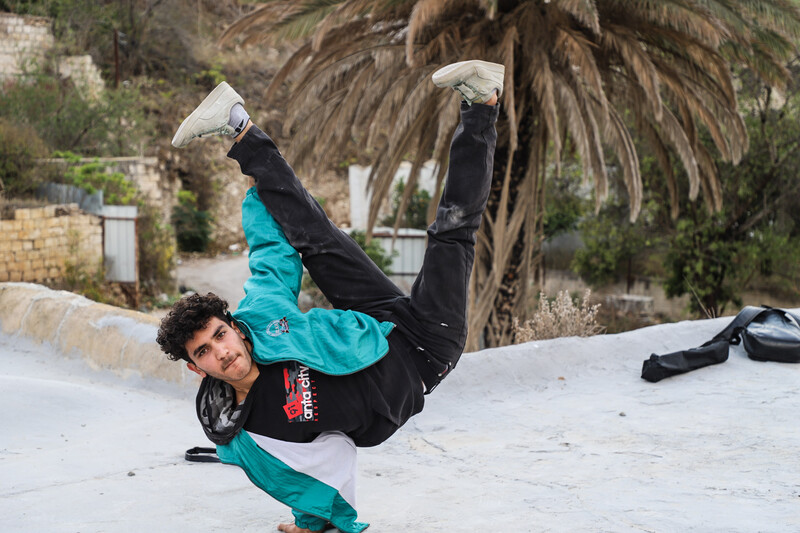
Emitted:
<point x="316" y="479"/>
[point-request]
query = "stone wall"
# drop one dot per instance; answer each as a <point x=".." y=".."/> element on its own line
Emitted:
<point x="105" y="337"/>
<point x="22" y="38"/>
<point x="25" y="38"/>
<point x="147" y="174"/>
<point x="37" y="243"/>
<point x="83" y="73"/>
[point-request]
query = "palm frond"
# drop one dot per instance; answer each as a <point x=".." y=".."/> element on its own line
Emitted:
<point x="577" y="70"/>
<point x="422" y="15"/>
<point x="584" y="11"/>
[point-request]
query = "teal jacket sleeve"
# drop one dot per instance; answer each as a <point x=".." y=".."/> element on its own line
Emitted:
<point x="333" y="341"/>
<point x="275" y="266"/>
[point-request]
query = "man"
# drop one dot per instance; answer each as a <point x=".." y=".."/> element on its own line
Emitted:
<point x="288" y="396"/>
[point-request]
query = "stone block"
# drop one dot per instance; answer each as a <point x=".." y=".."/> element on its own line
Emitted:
<point x="100" y="333"/>
<point x="14" y="276"/>
<point x="46" y="313"/>
<point x="146" y="358"/>
<point x="14" y="303"/>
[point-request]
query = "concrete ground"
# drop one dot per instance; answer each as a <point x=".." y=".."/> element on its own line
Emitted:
<point x="222" y="275"/>
<point x="550" y="436"/>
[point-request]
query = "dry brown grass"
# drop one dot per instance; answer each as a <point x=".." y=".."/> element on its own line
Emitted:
<point x="561" y="317"/>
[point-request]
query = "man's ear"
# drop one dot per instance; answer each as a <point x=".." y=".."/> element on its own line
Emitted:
<point x="238" y="331"/>
<point x="193" y="368"/>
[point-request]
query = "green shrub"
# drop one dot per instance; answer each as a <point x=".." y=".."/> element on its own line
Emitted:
<point x="66" y="119"/>
<point x="156" y="243"/>
<point x="375" y="251"/>
<point x="192" y="226"/>
<point x="416" y="213"/>
<point x="93" y="176"/>
<point x="20" y="147"/>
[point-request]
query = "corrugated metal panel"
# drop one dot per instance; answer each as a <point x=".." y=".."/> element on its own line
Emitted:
<point x="59" y="193"/>
<point x="119" y="242"/>
<point x="410" y="246"/>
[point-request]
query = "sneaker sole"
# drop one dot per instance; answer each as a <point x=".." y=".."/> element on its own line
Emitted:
<point x="445" y="76"/>
<point x="207" y="109"/>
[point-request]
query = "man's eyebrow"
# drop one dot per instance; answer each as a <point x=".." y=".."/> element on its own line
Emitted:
<point x="216" y="332"/>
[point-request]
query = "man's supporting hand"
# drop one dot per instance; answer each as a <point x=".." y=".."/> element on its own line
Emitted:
<point x="291" y="528"/>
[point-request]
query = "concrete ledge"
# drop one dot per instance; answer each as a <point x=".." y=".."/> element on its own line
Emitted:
<point x="104" y="336"/>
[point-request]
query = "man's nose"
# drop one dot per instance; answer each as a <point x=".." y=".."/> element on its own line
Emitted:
<point x="221" y="351"/>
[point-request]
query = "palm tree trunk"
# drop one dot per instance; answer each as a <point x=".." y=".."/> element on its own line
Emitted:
<point x="508" y="253"/>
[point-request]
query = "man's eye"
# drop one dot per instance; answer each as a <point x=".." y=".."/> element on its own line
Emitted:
<point x="201" y="353"/>
<point x="221" y="334"/>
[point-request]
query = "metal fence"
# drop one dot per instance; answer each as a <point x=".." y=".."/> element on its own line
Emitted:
<point x="119" y="243"/>
<point x="410" y="247"/>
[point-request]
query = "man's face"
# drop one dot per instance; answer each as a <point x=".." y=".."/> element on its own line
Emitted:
<point x="219" y="350"/>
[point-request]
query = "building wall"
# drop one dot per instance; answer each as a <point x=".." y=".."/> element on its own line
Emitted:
<point x="22" y="38"/>
<point x="25" y="38"/>
<point x="146" y="173"/>
<point x="37" y="243"/>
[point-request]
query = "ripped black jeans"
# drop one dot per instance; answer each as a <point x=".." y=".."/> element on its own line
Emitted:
<point x="433" y="317"/>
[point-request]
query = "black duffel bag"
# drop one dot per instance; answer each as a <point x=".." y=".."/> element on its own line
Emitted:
<point x="767" y="333"/>
<point x="773" y="335"/>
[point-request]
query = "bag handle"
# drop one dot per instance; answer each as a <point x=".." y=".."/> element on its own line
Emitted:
<point x="732" y="331"/>
<point x="198" y="454"/>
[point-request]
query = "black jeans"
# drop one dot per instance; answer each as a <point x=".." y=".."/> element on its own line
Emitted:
<point x="433" y="318"/>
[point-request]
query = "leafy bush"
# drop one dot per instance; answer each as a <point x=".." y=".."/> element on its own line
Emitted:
<point x="192" y="226"/>
<point x="93" y="176"/>
<point x="20" y="147"/>
<point x="85" y="277"/>
<point x="65" y="119"/>
<point x="416" y="214"/>
<point x="156" y="244"/>
<point x="562" y="317"/>
<point x="375" y="251"/>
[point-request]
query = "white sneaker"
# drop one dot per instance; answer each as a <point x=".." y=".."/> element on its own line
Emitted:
<point x="210" y="117"/>
<point x="475" y="80"/>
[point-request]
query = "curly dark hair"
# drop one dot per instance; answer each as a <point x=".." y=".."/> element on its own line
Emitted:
<point x="188" y="315"/>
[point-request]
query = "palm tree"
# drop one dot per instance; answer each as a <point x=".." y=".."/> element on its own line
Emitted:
<point x="581" y="77"/>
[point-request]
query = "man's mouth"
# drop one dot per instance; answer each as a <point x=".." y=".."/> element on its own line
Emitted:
<point x="229" y="363"/>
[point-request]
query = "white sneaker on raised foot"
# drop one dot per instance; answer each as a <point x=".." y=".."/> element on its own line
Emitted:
<point x="210" y="117"/>
<point x="475" y="80"/>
